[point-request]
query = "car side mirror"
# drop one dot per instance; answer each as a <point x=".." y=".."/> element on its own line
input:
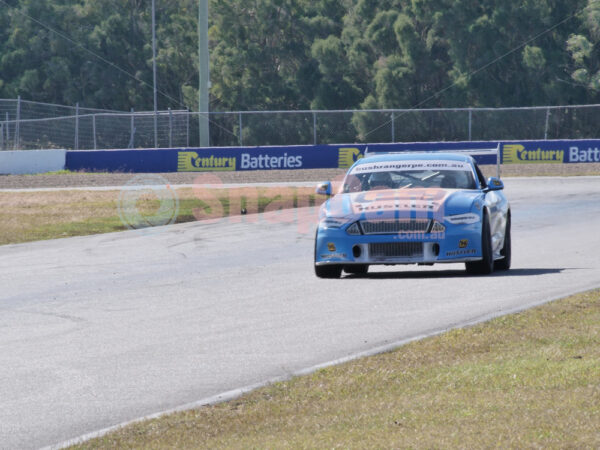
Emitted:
<point x="494" y="184"/>
<point x="324" y="188"/>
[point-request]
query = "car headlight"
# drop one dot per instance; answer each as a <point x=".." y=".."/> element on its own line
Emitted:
<point x="462" y="219"/>
<point x="354" y="229"/>
<point x="437" y="227"/>
<point x="333" y="222"/>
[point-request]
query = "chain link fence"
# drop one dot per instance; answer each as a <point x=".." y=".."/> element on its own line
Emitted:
<point x="15" y="109"/>
<point x="31" y="126"/>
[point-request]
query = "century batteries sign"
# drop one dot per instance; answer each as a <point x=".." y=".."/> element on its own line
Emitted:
<point x="584" y="155"/>
<point x="194" y="162"/>
<point x="520" y="154"/>
<point x="266" y="161"/>
<point x="551" y="152"/>
<point x="221" y="159"/>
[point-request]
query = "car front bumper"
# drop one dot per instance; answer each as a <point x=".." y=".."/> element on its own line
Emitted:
<point x="458" y="243"/>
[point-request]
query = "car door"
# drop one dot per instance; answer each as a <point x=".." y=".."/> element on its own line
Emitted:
<point x="497" y="206"/>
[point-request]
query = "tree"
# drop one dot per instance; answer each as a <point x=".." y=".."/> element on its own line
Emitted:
<point x="507" y="53"/>
<point x="300" y="54"/>
<point x="583" y="50"/>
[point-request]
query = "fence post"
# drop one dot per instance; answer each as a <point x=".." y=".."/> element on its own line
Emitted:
<point x="314" y="128"/>
<point x="393" y="126"/>
<point x="7" y="131"/>
<point x="17" y="143"/>
<point x="132" y="130"/>
<point x="187" y="131"/>
<point x="2" y="136"/>
<point x="77" y="126"/>
<point x="155" y="129"/>
<point x="547" y="124"/>
<point x="94" y="131"/>
<point x="241" y="137"/>
<point x="470" y="123"/>
<point x="170" y="128"/>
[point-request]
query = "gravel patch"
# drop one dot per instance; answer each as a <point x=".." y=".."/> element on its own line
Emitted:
<point x="119" y="179"/>
<point x="262" y="176"/>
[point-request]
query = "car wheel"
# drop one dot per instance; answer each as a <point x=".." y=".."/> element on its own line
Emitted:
<point x="357" y="269"/>
<point x="486" y="265"/>
<point x="504" y="263"/>
<point x="329" y="271"/>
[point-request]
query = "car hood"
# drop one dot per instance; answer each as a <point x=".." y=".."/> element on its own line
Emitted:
<point x="396" y="203"/>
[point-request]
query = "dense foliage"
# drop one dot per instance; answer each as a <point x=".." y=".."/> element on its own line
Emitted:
<point x="302" y="54"/>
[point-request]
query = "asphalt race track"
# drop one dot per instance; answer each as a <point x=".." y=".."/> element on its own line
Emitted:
<point x="99" y="330"/>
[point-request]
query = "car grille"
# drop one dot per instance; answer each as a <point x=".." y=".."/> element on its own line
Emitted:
<point x="396" y="250"/>
<point x="394" y="226"/>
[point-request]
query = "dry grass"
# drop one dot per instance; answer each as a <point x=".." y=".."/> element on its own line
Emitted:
<point x="31" y="216"/>
<point x="529" y="380"/>
<point x="544" y="170"/>
<point x="66" y="178"/>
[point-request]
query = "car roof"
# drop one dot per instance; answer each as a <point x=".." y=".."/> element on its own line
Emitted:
<point x="411" y="156"/>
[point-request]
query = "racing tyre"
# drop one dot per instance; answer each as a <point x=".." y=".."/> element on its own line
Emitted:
<point x="486" y="265"/>
<point x="357" y="269"/>
<point x="330" y="271"/>
<point x="504" y="263"/>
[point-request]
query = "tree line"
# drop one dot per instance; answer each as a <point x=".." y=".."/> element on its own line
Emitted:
<point x="304" y="54"/>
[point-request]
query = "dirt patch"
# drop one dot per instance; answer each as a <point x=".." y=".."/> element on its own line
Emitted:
<point x="264" y="176"/>
<point x="544" y="170"/>
<point x="119" y="179"/>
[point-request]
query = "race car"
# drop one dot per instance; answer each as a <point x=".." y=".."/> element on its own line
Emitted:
<point x="413" y="208"/>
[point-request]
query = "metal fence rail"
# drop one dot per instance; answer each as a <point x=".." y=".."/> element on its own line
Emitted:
<point x="97" y="131"/>
<point x="92" y="129"/>
<point x="401" y="125"/>
<point x="13" y="109"/>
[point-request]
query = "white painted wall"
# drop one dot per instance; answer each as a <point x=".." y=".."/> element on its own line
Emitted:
<point x="31" y="161"/>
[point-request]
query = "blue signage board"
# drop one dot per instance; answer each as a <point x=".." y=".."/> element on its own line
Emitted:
<point x="229" y="159"/>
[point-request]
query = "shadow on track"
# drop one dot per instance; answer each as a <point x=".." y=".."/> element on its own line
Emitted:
<point x="457" y="274"/>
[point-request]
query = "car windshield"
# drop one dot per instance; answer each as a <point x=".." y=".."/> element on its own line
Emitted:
<point x="409" y="175"/>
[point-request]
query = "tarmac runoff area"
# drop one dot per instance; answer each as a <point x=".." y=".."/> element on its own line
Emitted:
<point x="101" y="330"/>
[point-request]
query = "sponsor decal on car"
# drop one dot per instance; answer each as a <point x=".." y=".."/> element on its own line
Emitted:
<point x="464" y="243"/>
<point x="348" y="156"/>
<point x="425" y="237"/>
<point x="334" y="256"/>
<point x="331" y="247"/>
<point x="463" y="252"/>
<point x="192" y="162"/>
<point x="416" y="165"/>
<point x="518" y="154"/>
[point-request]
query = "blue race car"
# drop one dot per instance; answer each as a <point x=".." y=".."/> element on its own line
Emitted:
<point x="413" y="208"/>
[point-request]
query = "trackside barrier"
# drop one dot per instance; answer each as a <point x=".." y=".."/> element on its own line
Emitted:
<point x="229" y="159"/>
<point x="31" y="161"/>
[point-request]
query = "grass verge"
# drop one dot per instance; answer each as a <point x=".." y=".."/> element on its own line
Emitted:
<point x="528" y="380"/>
<point x="32" y="216"/>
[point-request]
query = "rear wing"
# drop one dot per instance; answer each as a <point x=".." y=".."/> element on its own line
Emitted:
<point x="480" y="155"/>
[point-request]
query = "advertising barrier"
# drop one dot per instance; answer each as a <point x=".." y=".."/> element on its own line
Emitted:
<point x="229" y="159"/>
<point x="555" y="152"/>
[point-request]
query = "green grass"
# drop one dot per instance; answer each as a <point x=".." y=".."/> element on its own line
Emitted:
<point x="529" y="380"/>
<point x="32" y="216"/>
